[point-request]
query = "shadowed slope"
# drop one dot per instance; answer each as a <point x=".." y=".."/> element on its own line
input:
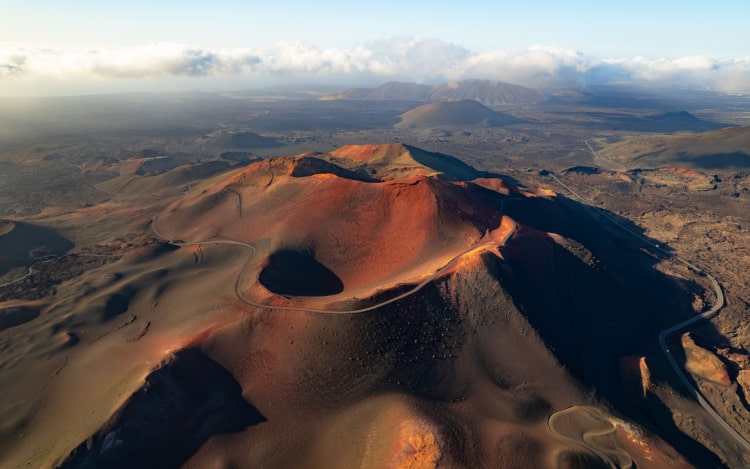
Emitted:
<point x="22" y="243"/>
<point x="181" y="405"/>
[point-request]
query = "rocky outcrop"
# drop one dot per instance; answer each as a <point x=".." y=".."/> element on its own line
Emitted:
<point x="636" y="375"/>
<point x="743" y="379"/>
<point x="703" y="363"/>
<point x="740" y="359"/>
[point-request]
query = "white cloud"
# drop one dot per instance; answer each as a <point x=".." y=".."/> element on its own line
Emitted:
<point x="409" y="58"/>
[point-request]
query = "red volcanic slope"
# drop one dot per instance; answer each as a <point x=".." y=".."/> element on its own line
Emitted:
<point x="370" y="234"/>
<point x="398" y="161"/>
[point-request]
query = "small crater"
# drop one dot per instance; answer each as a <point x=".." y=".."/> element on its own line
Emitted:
<point x="116" y="304"/>
<point x="16" y="315"/>
<point x="296" y="273"/>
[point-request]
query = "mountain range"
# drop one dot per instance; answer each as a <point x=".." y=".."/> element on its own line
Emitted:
<point x="488" y="92"/>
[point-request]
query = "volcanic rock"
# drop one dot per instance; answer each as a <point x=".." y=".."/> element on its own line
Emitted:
<point x="704" y="363"/>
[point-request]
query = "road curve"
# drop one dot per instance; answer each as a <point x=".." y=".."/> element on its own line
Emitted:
<point x="29" y="271"/>
<point x="718" y="304"/>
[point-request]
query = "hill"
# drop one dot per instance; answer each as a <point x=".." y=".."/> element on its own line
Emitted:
<point x="464" y="113"/>
<point x="487" y="92"/>
<point x="727" y="148"/>
<point x="668" y="122"/>
<point x="172" y="181"/>
<point x="396" y="161"/>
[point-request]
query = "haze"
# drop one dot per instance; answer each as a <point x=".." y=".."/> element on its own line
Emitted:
<point x="85" y="47"/>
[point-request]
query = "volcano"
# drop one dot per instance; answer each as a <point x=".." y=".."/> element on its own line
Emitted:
<point x="376" y="306"/>
<point x="449" y="114"/>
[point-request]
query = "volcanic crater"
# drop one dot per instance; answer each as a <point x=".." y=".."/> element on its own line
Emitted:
<point x="298" y="273"/>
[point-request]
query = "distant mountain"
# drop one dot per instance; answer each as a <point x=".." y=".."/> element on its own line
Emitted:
<point x="678" y="121"/>
<point x="676" y="116"/>
<point x="464" y="113"/>
<point x="391" y="91"/>
<point x="487" y="92"/>
<point x="627" y="96"/>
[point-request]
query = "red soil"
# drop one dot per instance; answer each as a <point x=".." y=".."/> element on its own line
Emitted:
<point x="369" y="234"/>
<point x="369" y="152"/>
<point x="683" y="172"/>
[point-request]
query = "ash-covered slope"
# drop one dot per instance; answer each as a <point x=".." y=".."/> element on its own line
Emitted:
<point x="381" y="306"/>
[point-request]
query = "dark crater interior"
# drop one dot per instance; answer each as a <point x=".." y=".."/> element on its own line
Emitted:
<point x="296" y="273"/>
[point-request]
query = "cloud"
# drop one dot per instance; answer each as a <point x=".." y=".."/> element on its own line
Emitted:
<point x="407" y="58"/>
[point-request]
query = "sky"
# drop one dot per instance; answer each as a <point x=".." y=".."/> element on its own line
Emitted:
<point x="79" y="47"/>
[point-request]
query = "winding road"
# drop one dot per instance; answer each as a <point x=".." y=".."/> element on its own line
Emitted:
<point x="29" y="271"/>
<point x="719" y="303"/>
<point x="590" y="428"/>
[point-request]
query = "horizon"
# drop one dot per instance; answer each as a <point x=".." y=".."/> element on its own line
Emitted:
<point x="88" y="47"/>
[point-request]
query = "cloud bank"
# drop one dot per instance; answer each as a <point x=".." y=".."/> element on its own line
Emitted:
<point x="407" y="59"/>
